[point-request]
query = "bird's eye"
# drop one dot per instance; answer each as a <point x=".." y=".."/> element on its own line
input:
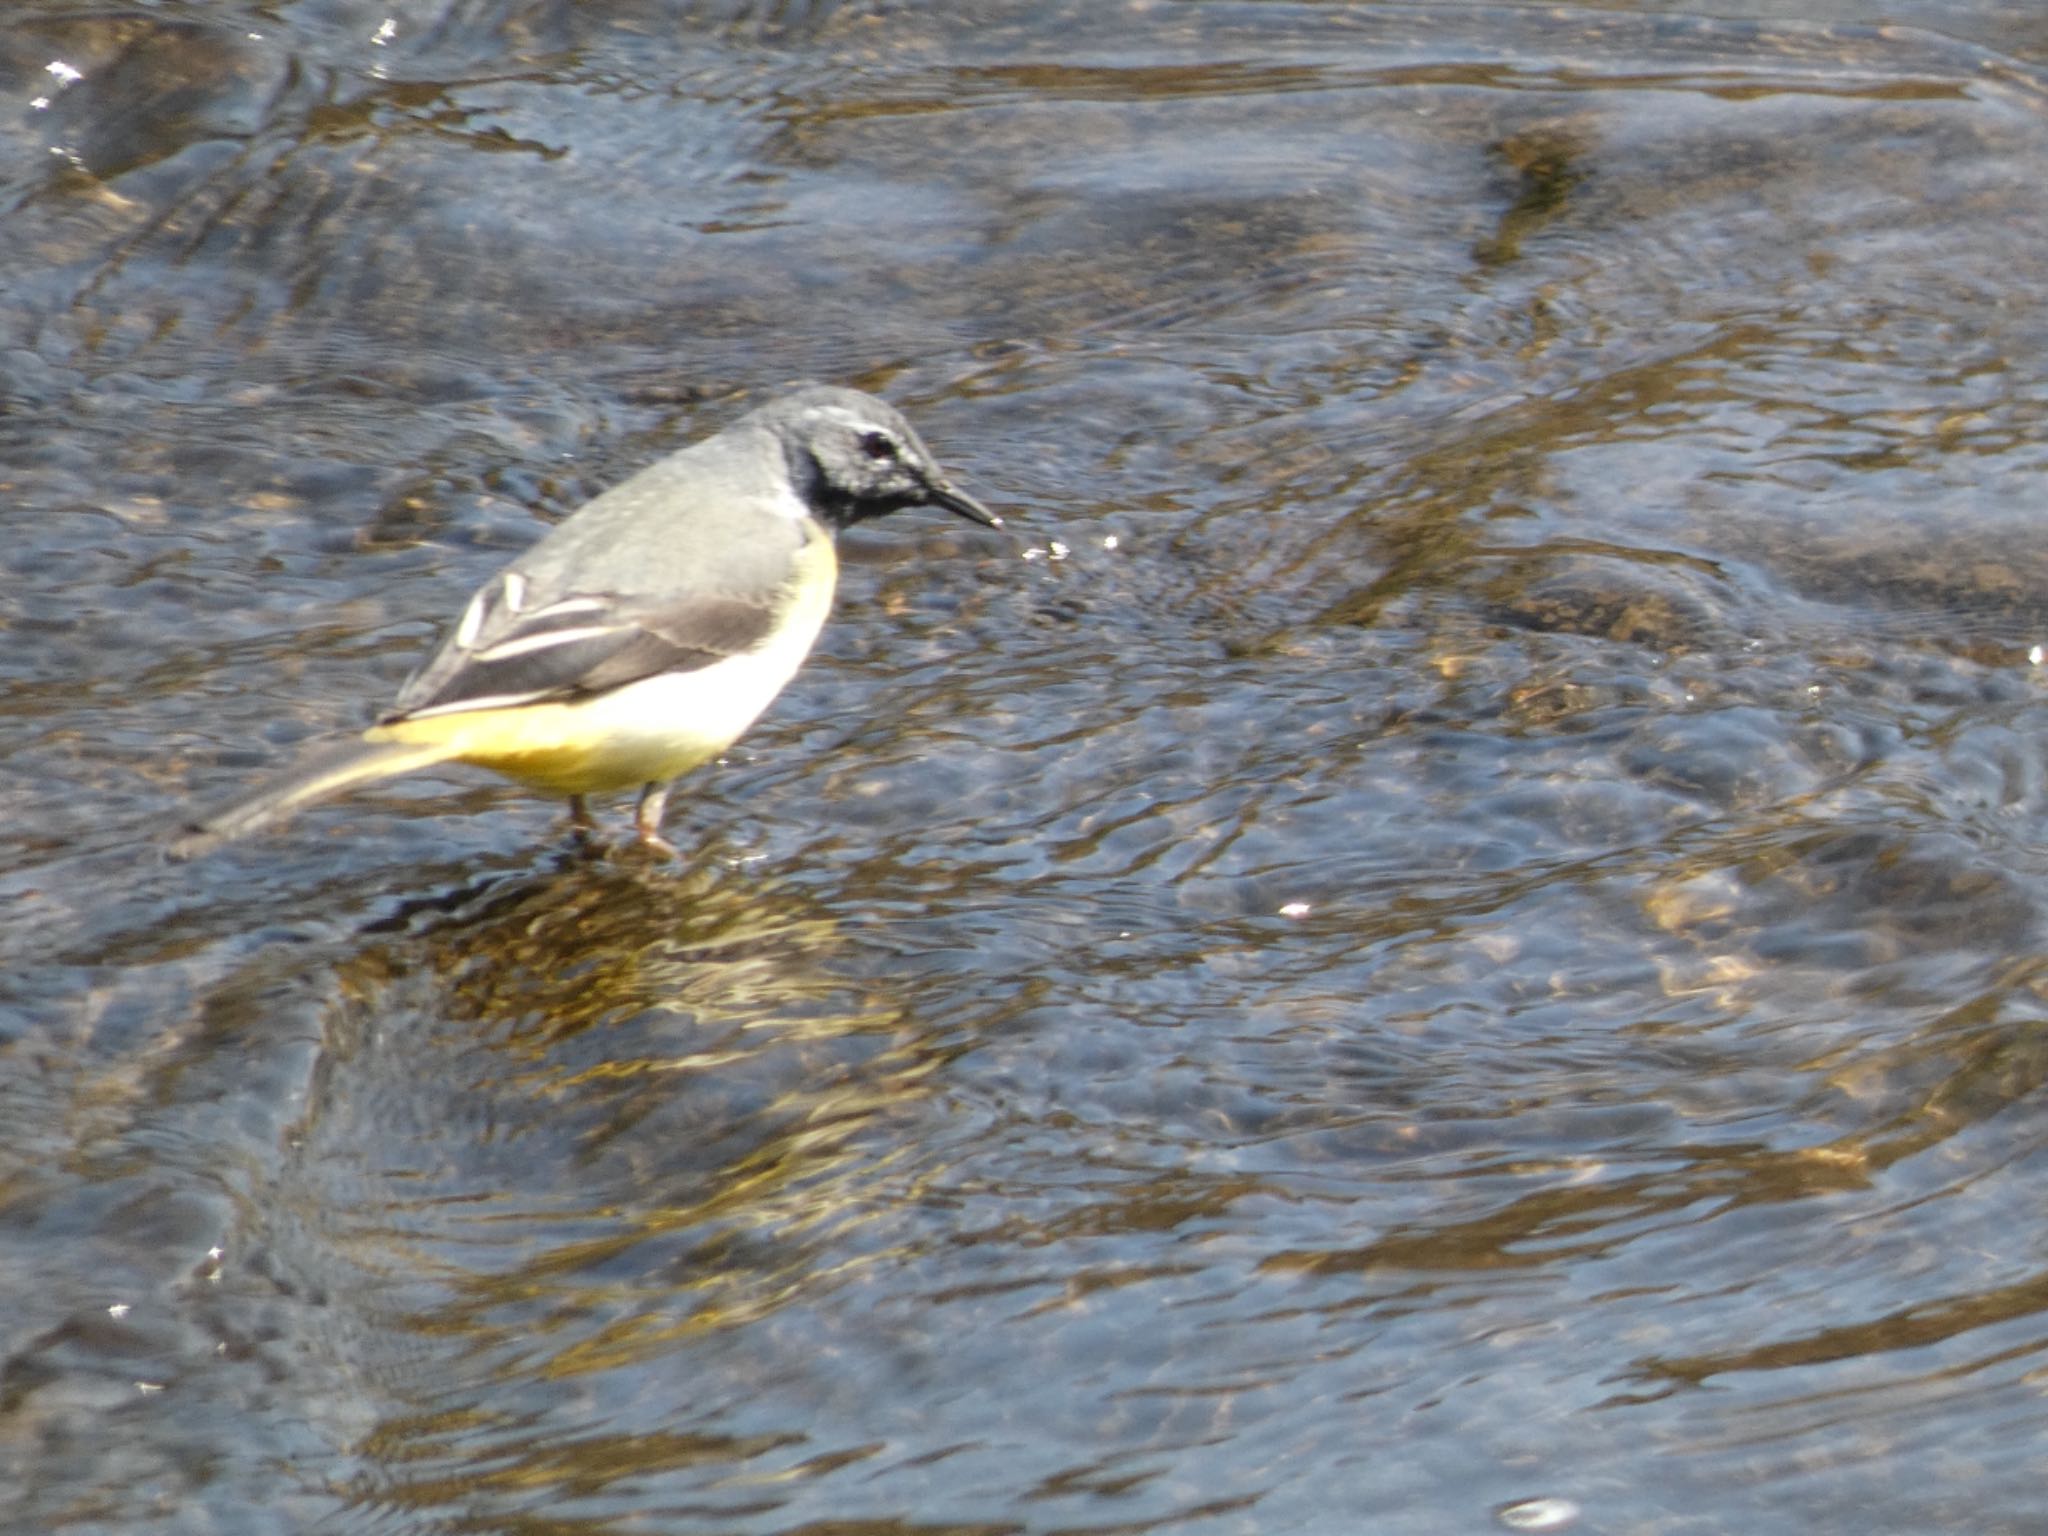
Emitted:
<point x="878" y="445"/>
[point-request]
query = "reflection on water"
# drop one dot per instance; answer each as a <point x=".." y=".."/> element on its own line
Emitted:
<point x="1448" y="938"/>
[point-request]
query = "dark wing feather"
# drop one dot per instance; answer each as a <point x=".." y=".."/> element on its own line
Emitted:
<point x="580" y="645"/>
<point x="682" y="639"/>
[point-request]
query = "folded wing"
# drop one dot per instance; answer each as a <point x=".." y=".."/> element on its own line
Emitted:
<point x="503" y="653"/>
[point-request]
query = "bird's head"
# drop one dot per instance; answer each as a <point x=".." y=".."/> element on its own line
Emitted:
<point x="853" y="457"/>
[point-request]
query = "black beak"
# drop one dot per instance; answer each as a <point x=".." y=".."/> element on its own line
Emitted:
<point x="939" y="494"/>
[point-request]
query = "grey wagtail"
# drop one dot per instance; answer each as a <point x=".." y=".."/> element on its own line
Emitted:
<point x="639" y="638"/>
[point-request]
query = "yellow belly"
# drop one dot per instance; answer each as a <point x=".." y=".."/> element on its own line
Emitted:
<point x="583" y="748"/>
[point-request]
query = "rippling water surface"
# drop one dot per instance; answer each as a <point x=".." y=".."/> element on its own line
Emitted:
<point x="1443" y="940"/>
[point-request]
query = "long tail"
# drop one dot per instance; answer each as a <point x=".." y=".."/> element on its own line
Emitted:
<point x="326" y="773"/>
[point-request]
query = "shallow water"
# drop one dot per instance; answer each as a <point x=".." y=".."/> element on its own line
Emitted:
<point x="1447" y="923"/>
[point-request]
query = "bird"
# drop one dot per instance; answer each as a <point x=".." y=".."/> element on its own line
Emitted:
<point x="647" y="631"/>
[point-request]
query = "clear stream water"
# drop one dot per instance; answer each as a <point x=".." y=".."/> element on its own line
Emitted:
<point x="1442" y="937"/>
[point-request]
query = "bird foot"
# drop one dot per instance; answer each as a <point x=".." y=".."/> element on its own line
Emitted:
<point x="658" y="845"/>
